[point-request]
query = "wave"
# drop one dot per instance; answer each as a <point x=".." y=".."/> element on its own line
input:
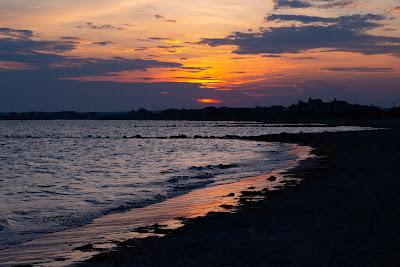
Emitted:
<point x="176" y="179"/>
<point x="213" y="167"/>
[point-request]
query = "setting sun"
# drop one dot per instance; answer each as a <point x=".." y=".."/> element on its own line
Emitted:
<point x="209" y="101"/>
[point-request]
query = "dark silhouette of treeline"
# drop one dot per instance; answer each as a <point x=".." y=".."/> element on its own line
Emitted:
<point x="314" y="109"/>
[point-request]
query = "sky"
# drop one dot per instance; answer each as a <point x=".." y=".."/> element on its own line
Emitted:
<point x="119" y="55"/>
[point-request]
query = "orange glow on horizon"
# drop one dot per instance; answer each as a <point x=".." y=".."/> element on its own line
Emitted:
<point x="209" y="101"/>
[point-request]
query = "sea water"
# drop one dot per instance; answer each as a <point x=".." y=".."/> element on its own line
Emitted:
<point x="59" y="175"/>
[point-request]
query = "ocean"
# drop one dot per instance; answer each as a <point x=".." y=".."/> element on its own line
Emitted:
<point x="60" y="175"/>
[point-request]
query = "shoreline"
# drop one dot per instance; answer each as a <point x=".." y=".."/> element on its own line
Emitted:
<point x="67" y="247"/>
<point x="334" y="217"/>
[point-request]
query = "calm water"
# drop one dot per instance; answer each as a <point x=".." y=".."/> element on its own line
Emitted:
<point x="57" y="175"/>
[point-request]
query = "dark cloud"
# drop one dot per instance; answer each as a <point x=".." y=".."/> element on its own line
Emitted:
<point x="63" y="66"/>
<point x="93" y="26"/>
<point x="354" y="22"/>
<point x="31" y="93"/>
<point x="195" y="68"/>
<point x="159" y="39"/>
<point x="94" y="66"/>
<point x="39" y="91"/>
<point x="239" y="58"/>
<point x="291" y="4"/>
<point x="278" y="4"/>
<point x="12" y="45"/>
<point x="302" y="58"/>
<point x="102" y="43"/>
<point x="21" y="41"/>
<point x="169" y="46"/>
<point x="334" y="3"/>
<point x="69" y="38"/>
<point x="300" y="18"/>
<point x="48" y="80"/>
<point x="208" y="78"/>
<point x="16" y="33"/>
<point x="272" y="56"/>
<point x="358" y="69"/>
<point x="345" y="33"/>
<point x="43" y="55"/>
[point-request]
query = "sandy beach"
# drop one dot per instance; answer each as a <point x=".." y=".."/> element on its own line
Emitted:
<point x="344" y="213"/>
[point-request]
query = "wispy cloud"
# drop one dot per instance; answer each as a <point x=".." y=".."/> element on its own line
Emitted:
<point x="93" y="26"/>
<point x="394" y="10"/>
<point x="102" y="43"/>
<point x="162" y="18"/>
<point x="359" y="69"/>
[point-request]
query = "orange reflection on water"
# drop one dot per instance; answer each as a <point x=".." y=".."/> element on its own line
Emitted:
<point x="107" y="230"/>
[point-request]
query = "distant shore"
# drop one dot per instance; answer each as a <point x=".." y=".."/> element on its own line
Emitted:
<point x="311" y="111"/>
<point x="345" y="213"/>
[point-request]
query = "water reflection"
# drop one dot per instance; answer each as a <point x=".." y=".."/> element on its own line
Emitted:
<point x="105" y="231"/>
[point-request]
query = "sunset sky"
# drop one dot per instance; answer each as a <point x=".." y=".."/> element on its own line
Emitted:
<point x="118" y="55"/>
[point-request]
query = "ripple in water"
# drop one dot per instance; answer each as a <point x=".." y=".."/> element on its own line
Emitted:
<point x="53" y="178"/>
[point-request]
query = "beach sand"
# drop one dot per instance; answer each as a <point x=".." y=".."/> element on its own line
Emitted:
<point x="346" y="212"/>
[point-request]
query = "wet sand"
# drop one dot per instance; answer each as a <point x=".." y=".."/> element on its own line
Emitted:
<point x="346" y="212"/>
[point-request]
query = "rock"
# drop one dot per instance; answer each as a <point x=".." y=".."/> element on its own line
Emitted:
<point x="272" y="178"/>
